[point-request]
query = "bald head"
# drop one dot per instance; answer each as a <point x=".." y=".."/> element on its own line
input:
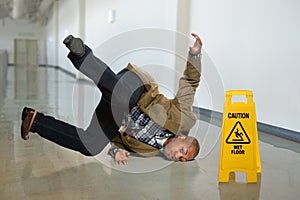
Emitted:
<point x="194" y="146"/>
<point x="182" y="148"/>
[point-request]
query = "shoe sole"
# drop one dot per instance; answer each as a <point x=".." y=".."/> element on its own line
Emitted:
<point x="25" y="132"/>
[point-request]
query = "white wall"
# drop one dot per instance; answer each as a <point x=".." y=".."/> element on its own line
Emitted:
<point x="254" y="45"/>
<point x="130" y="15"/>
<point x="133" y="15"/>
<point x="68" y="24"/>
<point x="64" y="20"/>
<point x="20" y="29"/>
<point x="50" y="37"/>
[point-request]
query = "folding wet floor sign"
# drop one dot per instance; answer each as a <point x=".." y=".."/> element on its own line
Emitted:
<point x="239" y="143"/>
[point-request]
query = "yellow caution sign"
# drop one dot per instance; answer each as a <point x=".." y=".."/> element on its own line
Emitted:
<point x="239" y="144"/>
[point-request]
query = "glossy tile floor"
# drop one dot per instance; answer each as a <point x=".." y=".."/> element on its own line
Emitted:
<point x="38" y="169"/>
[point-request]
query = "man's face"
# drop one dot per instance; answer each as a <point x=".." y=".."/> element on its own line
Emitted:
<point x="180" y="149"/>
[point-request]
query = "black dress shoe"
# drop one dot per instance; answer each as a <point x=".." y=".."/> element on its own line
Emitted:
<point x="28" y="116"/>
<point x="75" y="45"/>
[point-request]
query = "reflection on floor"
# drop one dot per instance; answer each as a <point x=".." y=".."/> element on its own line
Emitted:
<point x="38" y="169"/>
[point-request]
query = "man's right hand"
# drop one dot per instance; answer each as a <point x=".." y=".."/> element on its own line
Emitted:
<point x="121" y="157"/>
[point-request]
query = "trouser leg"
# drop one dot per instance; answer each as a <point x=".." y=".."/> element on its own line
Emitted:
<point x="88" y="142"/>
<point x="119" y="91"/>
<point x="59" y="132"/>
<point x="123" y="89"/>
<point x="102" y="129"/>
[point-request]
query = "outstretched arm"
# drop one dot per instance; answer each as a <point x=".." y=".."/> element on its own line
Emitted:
<point x="191" y="75"/>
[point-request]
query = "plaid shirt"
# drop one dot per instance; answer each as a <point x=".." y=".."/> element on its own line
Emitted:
<point x="140" y="126"/>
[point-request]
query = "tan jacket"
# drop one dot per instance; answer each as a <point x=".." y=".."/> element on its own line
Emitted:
<point x="175" y="114"/>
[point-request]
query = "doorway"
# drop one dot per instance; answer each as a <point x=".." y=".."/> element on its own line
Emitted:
<point x="26" y="52"/>
<point x="26" y="68"/>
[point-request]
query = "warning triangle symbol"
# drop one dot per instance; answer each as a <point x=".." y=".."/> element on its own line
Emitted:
<point x="238" y="135"/>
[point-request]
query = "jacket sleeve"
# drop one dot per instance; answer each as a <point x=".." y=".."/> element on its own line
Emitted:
<point x="117" y="142"/>
<point x="189" y="82"/>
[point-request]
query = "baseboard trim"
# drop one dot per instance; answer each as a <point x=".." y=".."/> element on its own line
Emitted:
<point x="59" y="68"/>
<point x="50" y="66"/>
<point x="216" y="118"/>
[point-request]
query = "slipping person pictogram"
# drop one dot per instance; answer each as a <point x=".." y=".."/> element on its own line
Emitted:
<point x="238" y="135"/>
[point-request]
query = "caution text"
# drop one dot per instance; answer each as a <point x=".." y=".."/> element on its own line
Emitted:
<point x="238" y="115"/>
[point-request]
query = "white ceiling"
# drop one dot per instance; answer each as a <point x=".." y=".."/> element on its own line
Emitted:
<point x="31" y="10"/>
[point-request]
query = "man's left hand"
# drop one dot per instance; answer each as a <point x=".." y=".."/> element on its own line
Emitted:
<point x="196" y="48"/>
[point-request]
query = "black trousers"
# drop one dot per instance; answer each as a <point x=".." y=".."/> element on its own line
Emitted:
<point x="120" y="92"/>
